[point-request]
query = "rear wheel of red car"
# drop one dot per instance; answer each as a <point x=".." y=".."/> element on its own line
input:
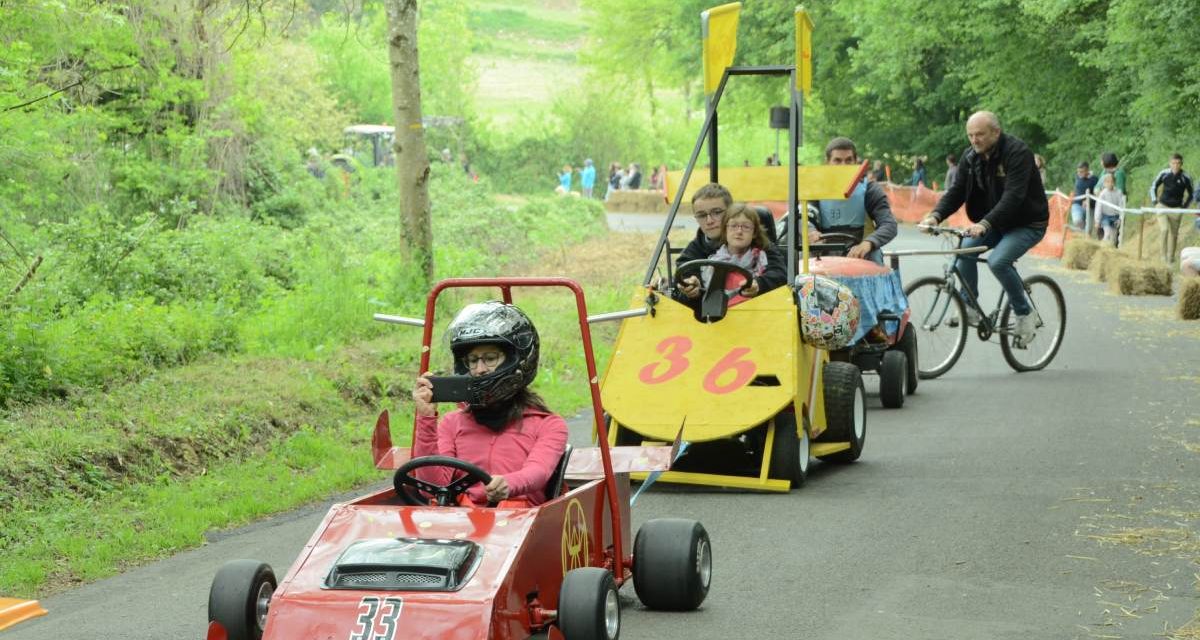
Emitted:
<point x="588" y="606"/>
<point x="672" y="564"/>
<point x="239" y="598"/>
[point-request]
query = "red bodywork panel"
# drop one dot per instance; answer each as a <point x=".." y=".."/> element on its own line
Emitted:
<point x="525" y="553"/>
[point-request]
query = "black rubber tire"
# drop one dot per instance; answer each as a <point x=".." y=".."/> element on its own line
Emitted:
<point x="672" y="564"/>
<point x="234" y="594"/>
<point x="908" y="344"/>
<point x="1053" y="314"/>
<point x="789" y="451"/>
<point x="893" y="378"/>
<point x="583" y="604"/>
<point x="845" y="410"/>
<point x="958" y="335"/>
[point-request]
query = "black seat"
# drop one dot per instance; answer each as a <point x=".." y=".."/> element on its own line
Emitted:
<point x="768" y="221"/>
<point x="554" y="485"/>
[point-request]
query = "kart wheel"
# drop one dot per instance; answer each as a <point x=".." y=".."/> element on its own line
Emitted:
<point x="588" y="606"/>
<point x="893" y="376"/>
<point x="845" y="410"/>
<point x="672" y="564"/>
<point x="789" y="451"/>
<point x="908" y="344"/>
<point x="240" y="597"/>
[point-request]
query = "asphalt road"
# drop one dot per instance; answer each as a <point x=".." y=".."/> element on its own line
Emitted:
<point x="1057" y="504"/>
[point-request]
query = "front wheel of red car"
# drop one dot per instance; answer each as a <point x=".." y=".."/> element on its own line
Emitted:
<point x="588" y="606"/>
<point x="239" y="598"/>
<point x="672" y="564"/>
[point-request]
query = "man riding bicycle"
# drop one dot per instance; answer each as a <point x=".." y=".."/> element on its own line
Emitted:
<point x="1002" y="189"/>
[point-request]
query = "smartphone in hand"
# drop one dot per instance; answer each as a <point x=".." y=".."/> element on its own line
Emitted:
<point x="451" y="388"/>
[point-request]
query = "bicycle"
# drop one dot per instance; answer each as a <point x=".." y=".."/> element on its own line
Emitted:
<point x="939" y="314"/>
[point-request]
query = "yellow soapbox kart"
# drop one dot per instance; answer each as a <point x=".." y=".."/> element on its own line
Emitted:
<point x="754" y="401"/>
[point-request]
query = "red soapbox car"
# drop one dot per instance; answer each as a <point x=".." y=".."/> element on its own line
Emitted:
<point x="393" y="565"/>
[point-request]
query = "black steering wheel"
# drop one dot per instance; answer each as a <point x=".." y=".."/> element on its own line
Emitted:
<point x="409" y="487"/>
<point x="714" y="301"/>
<point x="839" y="243"/>
<point x="720" y="270"/>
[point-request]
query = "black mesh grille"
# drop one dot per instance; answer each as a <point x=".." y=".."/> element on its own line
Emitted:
<point x="390" y="579"/>
<point x="364" y="578"/>
<point x="417" y="578"/>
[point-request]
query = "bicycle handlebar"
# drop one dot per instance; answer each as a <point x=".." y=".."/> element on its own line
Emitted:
<point x="936" y="230"/>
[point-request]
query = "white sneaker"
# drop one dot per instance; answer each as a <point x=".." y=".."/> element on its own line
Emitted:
<point x="1026" y="329"/>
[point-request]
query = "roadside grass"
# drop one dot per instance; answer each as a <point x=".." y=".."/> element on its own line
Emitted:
<point x="112" y="479"/>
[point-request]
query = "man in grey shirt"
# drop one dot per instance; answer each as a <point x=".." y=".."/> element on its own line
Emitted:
<point x="850" y="215"/>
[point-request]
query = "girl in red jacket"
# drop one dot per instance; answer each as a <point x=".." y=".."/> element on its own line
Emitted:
<point x="506" y="429"/>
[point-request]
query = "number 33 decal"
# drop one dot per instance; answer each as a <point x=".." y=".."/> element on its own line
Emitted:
<point x="674" y="350"/>
<point x="368" y="608"/>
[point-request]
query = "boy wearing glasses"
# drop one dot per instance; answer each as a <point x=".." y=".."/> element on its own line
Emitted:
<point x="850" y="216"/>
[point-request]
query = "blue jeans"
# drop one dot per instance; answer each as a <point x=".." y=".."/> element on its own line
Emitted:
<point x="1078" y="216"/>
<point x="1006" y="248"/>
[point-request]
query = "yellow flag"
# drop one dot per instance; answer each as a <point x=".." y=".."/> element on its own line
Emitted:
<point x="718" y="34"/>
<point x="804" y="28"/>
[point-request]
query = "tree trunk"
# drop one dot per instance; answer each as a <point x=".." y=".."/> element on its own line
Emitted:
<point x="412" y="162"/>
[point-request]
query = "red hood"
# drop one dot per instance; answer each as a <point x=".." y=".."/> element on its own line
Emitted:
<point x="303" y="609"/>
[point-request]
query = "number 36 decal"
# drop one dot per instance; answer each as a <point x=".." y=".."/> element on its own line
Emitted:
<point x="674" y="350"/>
<point x="367" y="625"/>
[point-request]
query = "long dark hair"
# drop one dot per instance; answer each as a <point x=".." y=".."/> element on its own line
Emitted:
<point x="497" y="418"/>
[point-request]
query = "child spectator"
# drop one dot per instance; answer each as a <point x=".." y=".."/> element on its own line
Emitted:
<point x="1109" y="208"/>
<point x="564" y="179"/>
<point x="1081" y="207"/>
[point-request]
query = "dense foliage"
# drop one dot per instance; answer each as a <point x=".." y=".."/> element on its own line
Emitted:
<point x="1074" y="79"/>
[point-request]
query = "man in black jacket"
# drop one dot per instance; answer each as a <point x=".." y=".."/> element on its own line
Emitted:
<point x="1172" y="189"/>
<point x="1005" y="199"/>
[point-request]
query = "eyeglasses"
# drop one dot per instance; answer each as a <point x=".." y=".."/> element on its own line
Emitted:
<point x="738" y="226"/>
<point x="711" y="213"/>
<point x="490" y="359"/>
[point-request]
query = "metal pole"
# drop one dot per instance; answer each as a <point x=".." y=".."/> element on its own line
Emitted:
<point x="412" y="322"/>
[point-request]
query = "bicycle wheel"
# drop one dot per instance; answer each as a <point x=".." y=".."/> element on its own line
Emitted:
<point x="939" y="318"/>
<point x="1048" y="300"/>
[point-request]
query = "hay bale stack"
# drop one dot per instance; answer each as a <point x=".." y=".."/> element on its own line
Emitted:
<point x="641" y="201"/>
<point x="1105" y="262"/>
<point x="1189" y="299"/>
<point x="1077" y="253"/>
<point x="1141" y="279"/>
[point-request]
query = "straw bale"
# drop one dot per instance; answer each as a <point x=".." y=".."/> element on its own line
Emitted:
<point x="1077" y="253"/>
<point x="1104" y="263"/>
<point x="1141" y="279"/>
<point x="1189" y="299"/>
<point x="641" y="201"/>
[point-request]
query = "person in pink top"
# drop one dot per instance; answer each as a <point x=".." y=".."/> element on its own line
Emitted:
<point x="505" y="429"/>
